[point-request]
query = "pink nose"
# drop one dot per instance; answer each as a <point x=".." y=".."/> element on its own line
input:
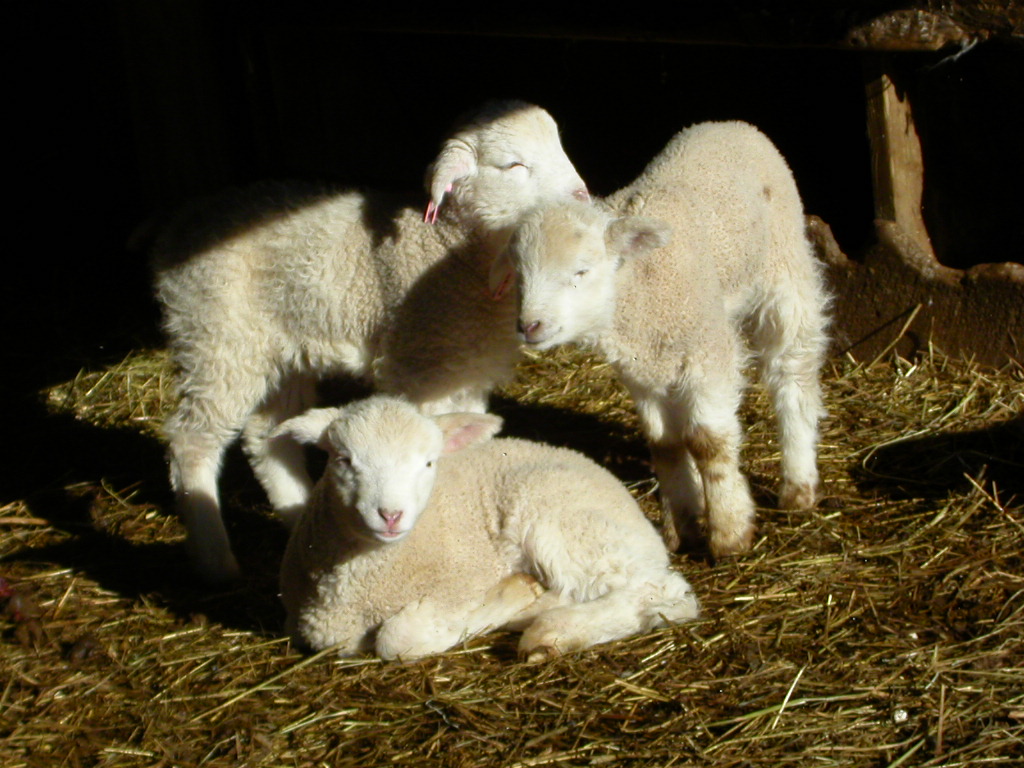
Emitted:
<point x="529" y="330"/>
<point x="391" y="517"/>
<point x="581" y="194"/>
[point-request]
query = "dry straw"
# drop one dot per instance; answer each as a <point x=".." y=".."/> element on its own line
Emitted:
<point x="883" y="628"/>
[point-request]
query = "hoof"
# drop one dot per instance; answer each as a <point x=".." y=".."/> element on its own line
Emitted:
<point x="517" y="592"/>
<point x="222" y="575"/>
<point x="670" y="536"/>
<point x="797" y="496"/>
<point x="215" y="569"/>
<point x="521" y="584"/>
<point x="725" y="545"/>
<point x="682" y="537"/>
<point x="290" y="516"/>
<point x="540" y="654"/>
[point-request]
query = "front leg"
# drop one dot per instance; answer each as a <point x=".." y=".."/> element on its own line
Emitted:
<point x="730" y="507"/>
<point x="682" y="496"/>
<point x="695" y="437"/>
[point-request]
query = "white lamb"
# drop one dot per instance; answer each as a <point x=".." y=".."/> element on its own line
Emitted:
<point x="423" y="533"/>
<point x="267" y="290"/>
<point x="673" y="320"/>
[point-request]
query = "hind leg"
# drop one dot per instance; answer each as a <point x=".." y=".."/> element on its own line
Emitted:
<point x="209" y="415"/>
<point x="428" y="626"/>
<point x="620" y="613"/>
<point x="195" y="460"/>
<point x="606" y="572"/>
<point x="280" y="463"/>
<point x="797" y="400"/>
<point x="578" y="626"/>
<point x="792" y="349"/>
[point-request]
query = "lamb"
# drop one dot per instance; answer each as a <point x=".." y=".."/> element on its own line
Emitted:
<point x="423" y="533"/>
<point x="673" y="320"/>
<point x="267" y="290"/>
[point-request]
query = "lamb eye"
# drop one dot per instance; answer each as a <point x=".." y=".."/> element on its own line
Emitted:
<point x="343" y="460"/>
<point x="430" y="464"/>
<point x="582" y="272"/>
<point x="513" y="164"/>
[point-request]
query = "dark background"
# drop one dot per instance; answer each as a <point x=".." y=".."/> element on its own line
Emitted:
<point x="122" y="109"/>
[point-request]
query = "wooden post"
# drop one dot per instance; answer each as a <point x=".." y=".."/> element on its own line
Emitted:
<point x="896" y="163"/>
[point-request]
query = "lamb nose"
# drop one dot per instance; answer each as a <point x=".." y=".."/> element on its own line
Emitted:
<point x="581" y="194"/>
<point x="390" y="516"/>
<point x="528" y="330"/>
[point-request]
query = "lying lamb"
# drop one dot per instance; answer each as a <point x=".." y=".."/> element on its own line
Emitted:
<point x="672" y="320"/>
<point x="423" y="533"/>
<point x="266" y="290"/>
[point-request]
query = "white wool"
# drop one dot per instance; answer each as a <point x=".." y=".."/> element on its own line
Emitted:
<point x="267" y="290"/>
<point x="678" y="314"/>
<point x="510" y="533"/>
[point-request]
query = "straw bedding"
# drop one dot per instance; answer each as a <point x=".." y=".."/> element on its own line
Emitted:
<point x="883" y="628"/>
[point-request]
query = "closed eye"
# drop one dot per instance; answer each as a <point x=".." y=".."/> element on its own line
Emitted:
<point x="581" y="273"/>
<point x="513" y="164"/>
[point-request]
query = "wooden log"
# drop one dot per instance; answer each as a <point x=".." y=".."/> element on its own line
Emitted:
<point x="896" y="163"/>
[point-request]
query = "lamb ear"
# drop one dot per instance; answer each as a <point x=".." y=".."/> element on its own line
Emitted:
<point x="309" y="427"/>
<point x="502" y="276"/>
<point x="462" y="430"/>
<point x="456" y="161"/>
<point x="633" y="236"/>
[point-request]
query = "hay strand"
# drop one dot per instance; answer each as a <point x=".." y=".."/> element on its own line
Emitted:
<point x="882" y="628"/>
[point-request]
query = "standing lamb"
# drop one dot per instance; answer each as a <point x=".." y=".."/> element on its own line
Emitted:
<point x="672" y="320"/>
<point x="266" y="290"/>
<point x="422" y="533"/>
